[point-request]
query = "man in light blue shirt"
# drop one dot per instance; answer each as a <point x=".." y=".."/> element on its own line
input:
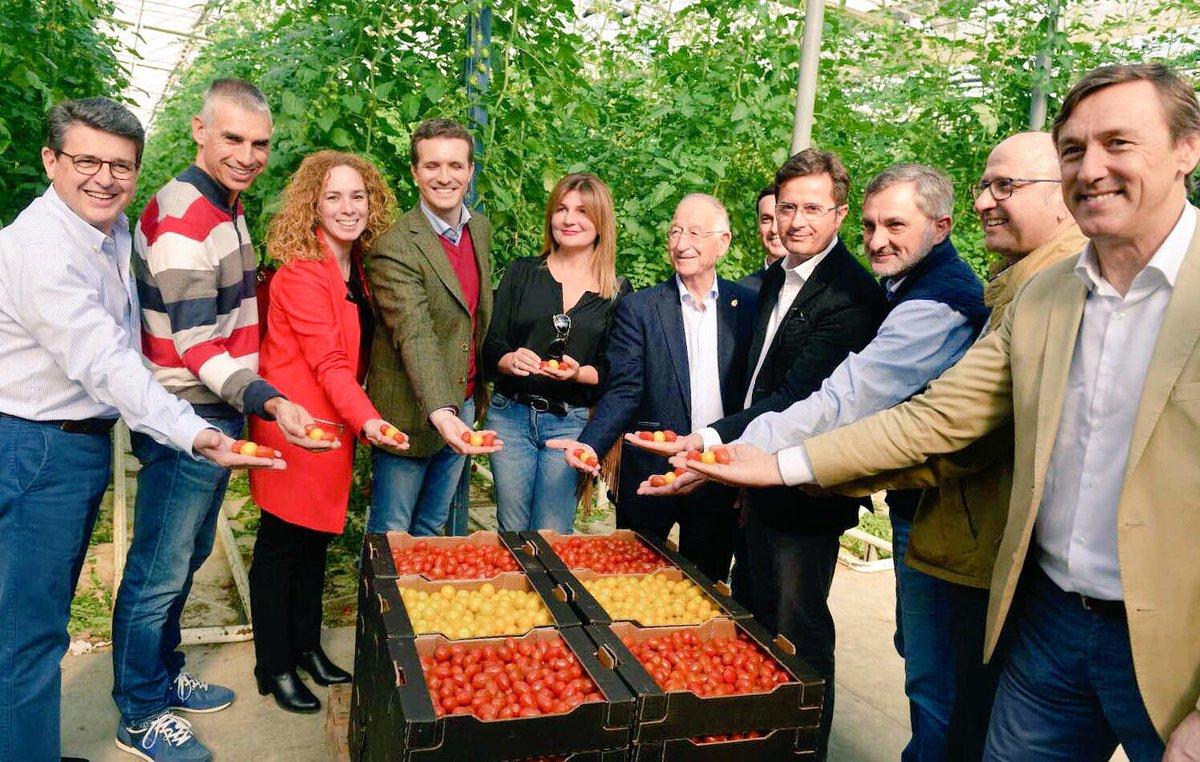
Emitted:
<point x="69" y="367"/>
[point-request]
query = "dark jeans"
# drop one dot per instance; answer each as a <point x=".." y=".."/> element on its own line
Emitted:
<point x="706" y="526"/>
<point x="174" y="525"/>
<point x="287" y="577"/>
<point x="51" y="483"/>
<point x="792" y="573"/>
<point x="1068" y="690"/>
<point x="939" y="633"/>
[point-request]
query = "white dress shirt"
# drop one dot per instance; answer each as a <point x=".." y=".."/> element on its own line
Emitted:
<point x="704" y="373"/>
<point x="69" y="327"/>
<point x="1076" y="529"/>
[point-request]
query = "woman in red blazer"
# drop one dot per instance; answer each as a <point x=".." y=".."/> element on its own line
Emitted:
<point x="319" y="326"/>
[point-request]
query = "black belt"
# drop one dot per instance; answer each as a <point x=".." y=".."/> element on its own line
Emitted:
<point x="1107" y="609"/>
<point x="541" y="404"/>
<point x="86" y="426"/>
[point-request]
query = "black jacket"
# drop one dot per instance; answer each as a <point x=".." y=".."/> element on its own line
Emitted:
<point x="837" y="312"/>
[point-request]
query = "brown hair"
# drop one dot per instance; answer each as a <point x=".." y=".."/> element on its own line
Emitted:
<point x="813" y="161"/>
<point x="440" y="128"/>
<point x="290" y="234"/>
<point x="1177" y="96"/>
<point x="598" y="206"/>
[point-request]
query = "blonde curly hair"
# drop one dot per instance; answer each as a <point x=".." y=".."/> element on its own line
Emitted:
<point x="290" y="234"/>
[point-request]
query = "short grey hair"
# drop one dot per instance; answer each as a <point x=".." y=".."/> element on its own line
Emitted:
<point x="102" y="114"/>
<point x="239" y="92"/>
<point x="935" y="192"/>
<point x="722" y="221"/>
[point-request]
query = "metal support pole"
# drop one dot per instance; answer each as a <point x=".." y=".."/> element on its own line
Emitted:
<point x="806" y="90"/>
<point x="1037" y="96"/>
<point x="478" y="76"/>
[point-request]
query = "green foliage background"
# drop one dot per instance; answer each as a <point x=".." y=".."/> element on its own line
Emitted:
<point x="49" y="50"/>
<point x="658" y="104"/>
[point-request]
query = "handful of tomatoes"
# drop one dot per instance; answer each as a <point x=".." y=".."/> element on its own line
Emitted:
<point x="608" y="555"/>
<point x="724" y="666"/>
<point x="506" y="680"/>
<point x="464" y="561"/>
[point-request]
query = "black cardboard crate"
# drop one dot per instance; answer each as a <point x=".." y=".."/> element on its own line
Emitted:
<point x="680" y="715"/>
<point x="538" y="544"/>
<point x="392" y="716"/>
<point x="780" y="744"/>
<point x="378" y="550"/>
<point x="384" y="595"/>
<point x="591" y="611"/>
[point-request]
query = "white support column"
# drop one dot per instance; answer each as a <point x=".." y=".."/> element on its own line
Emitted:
<point x="806" y="89"/>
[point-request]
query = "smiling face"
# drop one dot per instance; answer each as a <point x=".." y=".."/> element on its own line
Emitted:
<point x="570" y="224"/>
<point x="101" y="198"/>
<point x="1123" y="176"/>
<point x="803" y="238"/>
<point x="343" y="206"/>
<point x="896" y="233"/>
<point x="1028" y="218"/>
<point x="233" y="144"/>
<point x="443" y="173"/>
<point x="768" y="234"/>
<point x="693" y="252"/>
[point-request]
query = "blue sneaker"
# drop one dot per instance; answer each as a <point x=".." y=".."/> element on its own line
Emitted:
<point x="167" y="738"/>
<point x="187" y="694"/>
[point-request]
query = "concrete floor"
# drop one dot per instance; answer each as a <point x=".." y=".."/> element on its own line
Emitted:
<point x="870" y="723"/>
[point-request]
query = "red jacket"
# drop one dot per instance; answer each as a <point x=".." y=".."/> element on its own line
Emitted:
<point x="310" y="353"/>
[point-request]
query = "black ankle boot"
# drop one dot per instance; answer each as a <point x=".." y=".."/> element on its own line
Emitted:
<point x="289" y="691"/>
<point x="322" y="670"/>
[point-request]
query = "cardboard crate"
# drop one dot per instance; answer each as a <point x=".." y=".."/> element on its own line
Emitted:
<point x="781" y="744"/>
<point x="592" y="612"/>
<point x="682" y="715"/>
<point x="378" y="550"/>
<point x="383" y="594"/>
<point x="392" y="716"/>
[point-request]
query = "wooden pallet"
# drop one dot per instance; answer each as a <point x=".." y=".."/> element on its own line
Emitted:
<point x="337" y="723"/>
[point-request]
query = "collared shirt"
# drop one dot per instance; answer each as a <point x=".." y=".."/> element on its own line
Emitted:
<point x="794" y="278"/>
<point x="700" y="334"/>
<point x="450" y="232"/>
<point x="69" y="327"/>
<point x="1076" y="527"/>
<point x="917" y="341"/>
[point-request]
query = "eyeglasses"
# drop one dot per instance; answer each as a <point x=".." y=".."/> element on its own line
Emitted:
<point x="562" y="329"/>
<point x="1003" y="187"/>
<point x="810" y="212"/>
<point x="676" y="233"/>
<point x="90" y="166"/>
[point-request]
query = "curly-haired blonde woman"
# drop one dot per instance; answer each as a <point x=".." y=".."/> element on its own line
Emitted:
<point x="319" y="326"/>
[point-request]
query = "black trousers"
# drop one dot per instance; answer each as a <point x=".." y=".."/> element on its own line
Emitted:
<point x="707" y="522"/>
<point x="287" y="577"/>
<point x="792" y="574"/>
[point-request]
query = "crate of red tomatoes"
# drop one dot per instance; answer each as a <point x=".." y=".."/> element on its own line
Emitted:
<point x="549" y="695"/>
<point x="626" y="576"/>
<point x="479" y="555"/>
<point x="714" y="691"/>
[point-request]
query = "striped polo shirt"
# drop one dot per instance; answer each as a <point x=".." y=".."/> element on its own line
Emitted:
<point x="195" y="268"/>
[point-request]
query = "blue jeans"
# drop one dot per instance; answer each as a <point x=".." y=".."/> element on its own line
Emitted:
<point x="51" y="483"/>
<point x="535" y="488"/>
<point x="939" y="634"/>
<point x="1068" y="690"/>
<point x="174" y="524"/>
<point x="414" y="494"/>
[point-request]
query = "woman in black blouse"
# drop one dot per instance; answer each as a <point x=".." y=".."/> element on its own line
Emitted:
<point x="547" y="340"/>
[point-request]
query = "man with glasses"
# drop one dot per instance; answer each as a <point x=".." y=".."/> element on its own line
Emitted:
<point x="677" y="358"/>
<point x="69" y="366"/>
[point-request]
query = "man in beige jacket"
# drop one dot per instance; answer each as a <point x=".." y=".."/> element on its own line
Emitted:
<point x="1097" y="366"/>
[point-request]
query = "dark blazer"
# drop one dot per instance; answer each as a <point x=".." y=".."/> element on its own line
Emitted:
<point x="421" y="349"/>
<point x="648" y="383"/>
<point x="754" y="280"/>
<point x="837" y="312"/>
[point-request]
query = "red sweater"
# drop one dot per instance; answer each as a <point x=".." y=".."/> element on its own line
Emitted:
<point x="462" y="259"/>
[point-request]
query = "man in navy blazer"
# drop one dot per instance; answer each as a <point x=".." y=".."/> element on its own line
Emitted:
<point x="677" y="353"/>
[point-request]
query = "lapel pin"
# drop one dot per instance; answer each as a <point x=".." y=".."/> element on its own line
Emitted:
<point x="733" y="303"/>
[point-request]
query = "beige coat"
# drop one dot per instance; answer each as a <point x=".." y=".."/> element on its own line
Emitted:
<point x="1019" y="373"/>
